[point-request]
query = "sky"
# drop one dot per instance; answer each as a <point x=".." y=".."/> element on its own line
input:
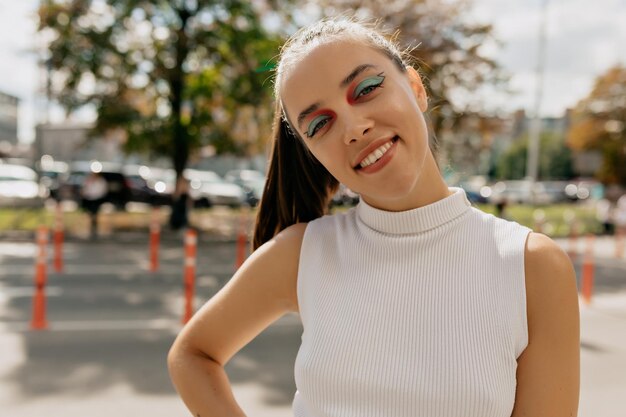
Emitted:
<point x="584" y="39"/>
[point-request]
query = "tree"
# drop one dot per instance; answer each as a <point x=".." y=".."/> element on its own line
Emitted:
<point x="445" y="46"/>
<point x="555" y="160"/>
<point x="173" y="75"/>
<point x="599" y="122"/>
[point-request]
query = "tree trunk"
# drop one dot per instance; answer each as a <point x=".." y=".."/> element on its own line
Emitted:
<point x="181" y="144"/>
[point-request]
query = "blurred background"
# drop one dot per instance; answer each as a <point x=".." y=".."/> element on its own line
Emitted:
<point x="116" y="116"/>
<point x="527" y="100"/>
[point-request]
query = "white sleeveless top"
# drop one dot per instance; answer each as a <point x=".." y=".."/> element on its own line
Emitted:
<point x="420" y="313"/>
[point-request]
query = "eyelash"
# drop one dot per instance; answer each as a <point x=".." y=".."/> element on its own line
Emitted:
<point x="369" y="89"/>
<point x="372" y="87"/>
<point x="317" y="127"/>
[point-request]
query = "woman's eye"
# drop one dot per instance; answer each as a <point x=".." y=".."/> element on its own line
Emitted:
<point x="368" y="85"/>
<point x="317" y="123"/>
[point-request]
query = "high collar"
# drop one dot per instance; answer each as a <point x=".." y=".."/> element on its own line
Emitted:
<point x="416" y="220"/>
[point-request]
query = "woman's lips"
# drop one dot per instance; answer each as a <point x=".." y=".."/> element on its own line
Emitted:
<point x="372" y="147"/>
<point x="382" y="161"/>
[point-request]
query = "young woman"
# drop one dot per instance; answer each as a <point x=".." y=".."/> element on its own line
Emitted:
<point x="413" y="303"/>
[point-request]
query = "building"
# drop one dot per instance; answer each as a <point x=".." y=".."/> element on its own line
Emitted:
<point x="8" y="123"/>
<point x="71" y="142"/>
<point x="555" y="125"/>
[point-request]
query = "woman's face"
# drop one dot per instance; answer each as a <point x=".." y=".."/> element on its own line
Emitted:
<point x="361" y="117"/>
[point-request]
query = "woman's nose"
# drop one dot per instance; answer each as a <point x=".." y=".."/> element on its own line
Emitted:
<point x="357" y="127"/>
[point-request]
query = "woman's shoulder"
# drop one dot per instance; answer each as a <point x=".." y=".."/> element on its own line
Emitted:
<point x="549" y="270"/>
<point x="292" y="236"/>
<point x="551" y="292"/>
<point x="279" y="258"/>
<point x="293" y="233"/>
<point x="548" y="369"/>
<point x="286" y="245"/>
<point x="288" y="240"/>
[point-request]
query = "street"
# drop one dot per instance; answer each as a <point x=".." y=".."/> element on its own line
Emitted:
<point x="112" y="321"/>
<point x="111" y="325"/>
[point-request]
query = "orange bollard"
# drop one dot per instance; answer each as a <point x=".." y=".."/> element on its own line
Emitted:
<point x="242" y="240"/>
<point x="39" y="321"/>
<point x="587" y="272"/>
<point x="58" y="239"/>
<point x="191" y="242"/>
<point x="155" y="237"/>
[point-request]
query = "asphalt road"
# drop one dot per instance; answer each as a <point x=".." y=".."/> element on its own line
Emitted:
<point x="112" y="323"/>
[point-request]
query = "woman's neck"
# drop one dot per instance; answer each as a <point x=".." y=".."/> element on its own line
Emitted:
<point x="429" y="188"/>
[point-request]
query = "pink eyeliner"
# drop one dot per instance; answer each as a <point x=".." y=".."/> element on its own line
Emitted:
<point x="350" y="96"/>
<point x="319" y="113"/>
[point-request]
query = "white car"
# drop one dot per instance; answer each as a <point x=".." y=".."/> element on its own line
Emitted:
<point x="19" y="187"/>
<point x="252" y="182"/>
<point x="519" y="192"/>
<point x="208" y="189"/>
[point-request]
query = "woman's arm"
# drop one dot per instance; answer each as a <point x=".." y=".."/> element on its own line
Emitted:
<point x="262" y="290"/>
<point x="548" y="373"/>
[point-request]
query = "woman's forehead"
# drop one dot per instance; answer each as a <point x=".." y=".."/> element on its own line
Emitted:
<point x="331" y="58"/>
<point x="323" y="67"/>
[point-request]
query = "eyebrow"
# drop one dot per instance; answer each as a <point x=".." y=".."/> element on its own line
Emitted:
<point x="355" y="73"/>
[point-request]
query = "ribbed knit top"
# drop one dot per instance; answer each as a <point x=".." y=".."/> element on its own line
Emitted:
<point x="420" y="313"/>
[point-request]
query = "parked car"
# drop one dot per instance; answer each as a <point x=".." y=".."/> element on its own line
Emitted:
<point x="208" y="189"/>
<point x="475" y="197"/>
<point x="476" y="189"/>
<point x="52" y="175"/>
<point x="144" y="187"/>
<point x="163" y="181"/>
<point x="254" y="191"/>
<point x="119" y="188"/>
<point x="555" y="190"/>
<point x="252" y="182"/>
<point x="581" y="190"/>
<point x="519" y="192"/>
<point x="19" y="187"/>
<point x="242" y="176"/>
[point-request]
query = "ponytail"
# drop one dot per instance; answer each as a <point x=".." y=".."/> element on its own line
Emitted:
<point x="297" y="188"/>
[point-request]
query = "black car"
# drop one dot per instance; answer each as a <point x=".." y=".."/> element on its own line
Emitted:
<point x="143" y="186"/>
<point x="119" y="188"/>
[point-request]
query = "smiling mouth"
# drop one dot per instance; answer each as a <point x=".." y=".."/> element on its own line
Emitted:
<point x="375" y="155"/>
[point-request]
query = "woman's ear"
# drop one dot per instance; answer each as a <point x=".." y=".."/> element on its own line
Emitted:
<point x="418" y="88"/>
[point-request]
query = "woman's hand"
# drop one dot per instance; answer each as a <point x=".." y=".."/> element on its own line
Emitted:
<point x="260" y="292"/>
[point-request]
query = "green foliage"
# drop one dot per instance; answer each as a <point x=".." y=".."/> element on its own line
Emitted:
<point x="599" y="122"/>
<point x="555" y="159"/>
<point x="172" y="75"/>
<point x="512" y="164"/>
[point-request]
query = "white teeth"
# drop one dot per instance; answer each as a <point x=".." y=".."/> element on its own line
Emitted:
<point x="375" y="155"/>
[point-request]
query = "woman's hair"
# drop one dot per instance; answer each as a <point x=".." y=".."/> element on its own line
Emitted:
<point x="298" y="186"/>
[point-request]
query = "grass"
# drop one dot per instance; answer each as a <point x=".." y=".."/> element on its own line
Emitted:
<point x="219" y="221"/>
<point x="556" y="220"/>
<point x="223" y="221"/>
<point x="24" y="219"/>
